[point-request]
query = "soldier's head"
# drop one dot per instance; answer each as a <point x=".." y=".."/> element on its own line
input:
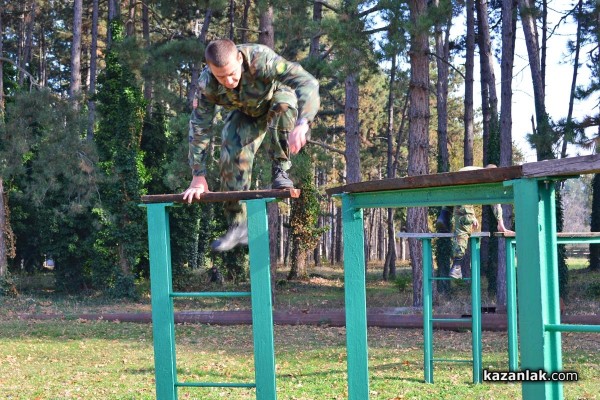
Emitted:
<point x="225" y="62"/>
<point x="491" y="166"/>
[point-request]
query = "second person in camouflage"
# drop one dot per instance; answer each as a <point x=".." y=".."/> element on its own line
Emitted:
<point x="264" y="93"/>
<point x="464" y="222"/>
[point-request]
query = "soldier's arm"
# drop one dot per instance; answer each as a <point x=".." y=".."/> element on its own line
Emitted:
<point x="293" y="75"/>
<point x="497" y="210"/>
<point x="200" y="130"/>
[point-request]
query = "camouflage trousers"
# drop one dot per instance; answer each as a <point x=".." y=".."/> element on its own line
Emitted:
<point x="464" y="216"/>
<point x="241" y="138"/>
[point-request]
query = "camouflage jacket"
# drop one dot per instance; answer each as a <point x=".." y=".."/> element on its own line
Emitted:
<point x="263" y="71"/>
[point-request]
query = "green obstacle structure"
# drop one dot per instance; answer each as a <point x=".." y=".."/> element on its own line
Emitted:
<point x="163" y="318"/>
<point x="530" y="188"/>
<point x="428" y="317"/>
<point x="511" y="292"/>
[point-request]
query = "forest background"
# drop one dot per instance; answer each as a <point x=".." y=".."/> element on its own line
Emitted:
<point x="95" y="98"/>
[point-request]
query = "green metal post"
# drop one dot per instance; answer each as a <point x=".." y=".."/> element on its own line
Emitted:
<point x="511" y="306"/>
<point x="427" y="311"/>
<point x="476" y="308"/>
<point x="355" y="297"/>
<point x="262" y="309"/>
<point x="163" y="321"/>
<point x="537" y="284"/>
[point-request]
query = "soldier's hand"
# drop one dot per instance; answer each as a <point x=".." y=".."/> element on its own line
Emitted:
<point x="297" y="137"/>
<point x="475" y="224"/>
<point x="197" y="187"/>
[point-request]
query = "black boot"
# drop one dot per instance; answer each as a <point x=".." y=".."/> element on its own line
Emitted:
<point x="442" y="224"/>
<point x="236" y="235"/>
<point x="281" y="180"/>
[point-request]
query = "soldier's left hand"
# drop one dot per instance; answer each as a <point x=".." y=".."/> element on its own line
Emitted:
<point x="297" y="138"/>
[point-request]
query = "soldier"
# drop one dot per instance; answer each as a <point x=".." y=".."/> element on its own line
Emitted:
<point x="263" y="93"/>
<point x="464" y="222"/>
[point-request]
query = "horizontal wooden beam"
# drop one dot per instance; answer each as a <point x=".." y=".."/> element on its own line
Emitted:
<point x="563" y="167"/>
<point x="486" y="175"/>
<point x="549" y="168"/>
<point x="214" y="197"/>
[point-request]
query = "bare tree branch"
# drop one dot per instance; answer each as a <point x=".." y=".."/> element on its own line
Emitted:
<point x="447" y="63"/>
<point x="31" y="77"/>
<point x="371" y="31"/>
<point x="332" y="8"/>
<point x="326" y="146"/>
<point x="373" y="9"/>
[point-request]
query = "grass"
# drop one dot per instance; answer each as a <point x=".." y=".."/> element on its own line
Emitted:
<point x="104" y="360"/>
<point x="77" y="359"/>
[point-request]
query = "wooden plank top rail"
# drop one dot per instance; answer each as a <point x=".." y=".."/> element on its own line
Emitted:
<point x="213" y="197"/>
<point x="549" y="168"/>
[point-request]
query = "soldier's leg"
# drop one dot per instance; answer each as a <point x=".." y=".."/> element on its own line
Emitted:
<point x="281" y="119"/>
<point x="464" y="216"/>
<point x="241" y="138"/>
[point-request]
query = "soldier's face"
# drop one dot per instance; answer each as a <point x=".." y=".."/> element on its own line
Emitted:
<point x="230" y="74"/>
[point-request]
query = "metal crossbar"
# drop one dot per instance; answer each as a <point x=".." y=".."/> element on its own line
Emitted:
<point x="210" y="294"/>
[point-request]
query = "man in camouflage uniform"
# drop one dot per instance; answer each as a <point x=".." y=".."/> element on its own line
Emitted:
<point x="464" y="222"/>
<point x="264" y="93"/>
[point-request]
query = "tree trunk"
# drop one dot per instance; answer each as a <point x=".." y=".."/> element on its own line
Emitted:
<point x="267" y="33"/>
<point x="352" y="153"/>
<point x="232" y="20"/>
<point x="195" y="70"/>
<point x="442" y="50"/>
<point x="469" y="71"/>
<point x="146" y="35"/>
<point x="113" y="12"/>
<point x="93" y="72"/>
<point x="247" y="4"/>
<point x="568" y="133"/>
<point x="542" y="142"/>
<point x="1" y="65"/>
<point x="75" y="87"/>
<point x="418" y="142"/>
<point x="389" y="265"/>
<point x="315" y="41"/>
<point x="3" y="231"/>
<point x="443" y="250"/>
<point x="509" y="23"/>
<point x="130" y="25"/>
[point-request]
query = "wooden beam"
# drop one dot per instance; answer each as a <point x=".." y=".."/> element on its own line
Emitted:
<point x="568" y="235"/>
<point x="486" y="175"/>
<point x="563" y="167"/>
<point x="214" y="197"/>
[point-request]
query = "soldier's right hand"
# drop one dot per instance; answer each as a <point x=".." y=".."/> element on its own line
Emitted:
<point x="197" y="187"/>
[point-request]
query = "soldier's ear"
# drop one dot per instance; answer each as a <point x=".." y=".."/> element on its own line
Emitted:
<point x="240" y="59"/>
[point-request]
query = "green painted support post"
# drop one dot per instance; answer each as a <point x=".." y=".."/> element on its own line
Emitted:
<point x="262" y="308"/>
<point x="356" y="303"/>
<point x="163" y="322"/>
<point x="476" y="308"/>
<point x="511" y="306"/>
<point x="427" y="311"/>
<point x="538" y="299"/>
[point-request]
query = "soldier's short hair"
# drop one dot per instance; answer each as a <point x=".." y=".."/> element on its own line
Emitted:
<point x="219" y="52"/>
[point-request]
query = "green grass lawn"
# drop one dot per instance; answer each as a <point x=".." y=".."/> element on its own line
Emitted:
<point x="104" y="360"/>
<point x="77" y="359"/>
